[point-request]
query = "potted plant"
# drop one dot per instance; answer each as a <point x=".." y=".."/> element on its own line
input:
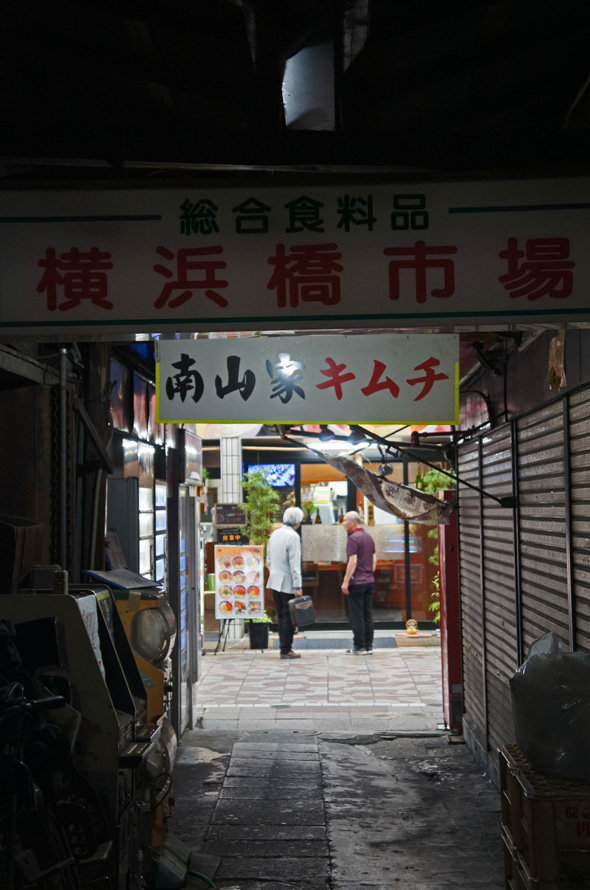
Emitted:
<point x="431" y="482"/>
<point x="261" y="502"/>
<point x="260" y="505"/>
<point x="258" y="631"/>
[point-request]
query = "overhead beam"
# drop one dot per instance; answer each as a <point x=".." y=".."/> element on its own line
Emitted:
<point x="22" y="369"/>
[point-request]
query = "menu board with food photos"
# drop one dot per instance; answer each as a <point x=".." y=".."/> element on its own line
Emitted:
<point x="239" y="581"/>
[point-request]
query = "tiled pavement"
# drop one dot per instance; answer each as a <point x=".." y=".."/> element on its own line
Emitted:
<point x="332" y="771"/>
<point x="325" y="689"/>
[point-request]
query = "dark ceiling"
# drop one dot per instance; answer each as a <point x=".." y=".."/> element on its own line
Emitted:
<point x="418" y="84"/>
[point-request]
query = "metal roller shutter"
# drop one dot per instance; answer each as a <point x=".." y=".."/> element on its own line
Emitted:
<point x="542" y="509"/>
<point x="522" y="579"/>
<point x="500" y="585"/>
<point x="471" y="590"/>
<point x="579" y="419"/>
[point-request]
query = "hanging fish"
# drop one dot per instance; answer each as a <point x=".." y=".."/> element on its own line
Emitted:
<point x="401" y="500"/>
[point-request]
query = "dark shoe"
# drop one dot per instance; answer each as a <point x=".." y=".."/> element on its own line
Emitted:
<point x="291" y="654"/>
<point x="369" y="650"/>
<point x="355" y="651"/>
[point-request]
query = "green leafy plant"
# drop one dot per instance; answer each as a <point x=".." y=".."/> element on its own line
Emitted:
<point x="260" y="505"/>
<point x="434" y="606"/>
<point x="431" y="482"/>
<point x="264" y="619"/>
<point x="309" y="507"/>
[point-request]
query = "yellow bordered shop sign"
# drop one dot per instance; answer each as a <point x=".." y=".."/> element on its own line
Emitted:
<point x="336" y="378"/>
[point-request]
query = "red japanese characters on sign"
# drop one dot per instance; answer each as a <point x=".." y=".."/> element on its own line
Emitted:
<point x="547" y="270"/>
<point x="188" y="261"/>
<point x="307" y="273"/>
<point x="263" y="258"/>
<point x="73" y="276"/>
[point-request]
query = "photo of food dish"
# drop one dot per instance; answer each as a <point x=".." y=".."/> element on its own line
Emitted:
<point x="253" y="590"/>
<point x="252" y="562"/>
<point x="225" y="576"/>
<point x="239" y="606"/>
<point x="224" y="562"/>
<point x="255" y="608"/>
<point x="239" y="590"/>
<point x="225" y="591"/>
<point x="253" y="578"/>
<point x="225" y="606"/>
<point x="238" y="562"/>
<point x="239" y="577"/>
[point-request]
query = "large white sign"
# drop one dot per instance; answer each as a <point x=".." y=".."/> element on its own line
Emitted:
<point x="255" y="257"/>
<point x="368" y="378"/>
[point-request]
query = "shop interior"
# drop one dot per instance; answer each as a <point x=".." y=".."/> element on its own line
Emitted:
<point x="407" y="566"/>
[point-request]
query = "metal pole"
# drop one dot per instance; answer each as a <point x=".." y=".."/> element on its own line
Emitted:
<point x="407" y="560"/>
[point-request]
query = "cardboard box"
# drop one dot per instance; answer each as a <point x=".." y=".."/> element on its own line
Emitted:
<point x="545" y="826"/>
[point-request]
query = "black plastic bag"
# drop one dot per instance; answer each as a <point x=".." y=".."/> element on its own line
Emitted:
<point x="551" y="709"/>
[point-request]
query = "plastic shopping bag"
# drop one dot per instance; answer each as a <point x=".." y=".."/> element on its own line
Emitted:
<point x="551" y="709"/>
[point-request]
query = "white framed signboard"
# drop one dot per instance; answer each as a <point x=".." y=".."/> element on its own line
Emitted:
<point x="393" y="378"/>
<point x="258" y="257"/>
<point x="239" y="581"/>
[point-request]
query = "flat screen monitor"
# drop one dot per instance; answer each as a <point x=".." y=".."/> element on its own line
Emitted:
<point x="278" y="475"/>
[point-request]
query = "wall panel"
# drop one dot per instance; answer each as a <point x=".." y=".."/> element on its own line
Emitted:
<point x="470" y="567"/>
<point x="524" y="571"/>
<point x="542" y="531"/>
<point x="579" y="421"/>
<point x="500" y="584"/>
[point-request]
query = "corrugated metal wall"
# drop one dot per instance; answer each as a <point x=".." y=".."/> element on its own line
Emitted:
<point x="472" y="606"/>
<point x="542" y="508"/>
<point x="524" y="570"/>
<point x="499" y="572"/>
<point x="579" y="419"/>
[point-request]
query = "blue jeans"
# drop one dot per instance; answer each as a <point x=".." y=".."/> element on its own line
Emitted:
<point x="360" y="613"/>
<point x="285" y="626"/>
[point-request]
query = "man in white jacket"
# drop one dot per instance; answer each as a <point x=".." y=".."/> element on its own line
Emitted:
<point x="283" y="559"/>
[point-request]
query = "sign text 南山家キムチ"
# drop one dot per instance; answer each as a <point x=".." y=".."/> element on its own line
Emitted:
<point x="313" y="378"/>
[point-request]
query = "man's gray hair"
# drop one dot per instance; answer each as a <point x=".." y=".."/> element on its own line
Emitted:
<point x="293" y="516"/>
<point x="356" y="517"/>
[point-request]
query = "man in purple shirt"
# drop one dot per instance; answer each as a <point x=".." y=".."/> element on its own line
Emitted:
<point x="359" y="584"/>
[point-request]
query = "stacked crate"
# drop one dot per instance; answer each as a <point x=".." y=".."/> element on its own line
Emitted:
<point x="545" y="827"/>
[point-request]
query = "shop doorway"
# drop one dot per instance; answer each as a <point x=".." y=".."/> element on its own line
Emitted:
<point x="406" y="552"/>
<point x="407" y="564"/>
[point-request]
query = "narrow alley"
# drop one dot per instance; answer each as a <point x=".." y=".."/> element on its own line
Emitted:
<point x="332" y="771"/>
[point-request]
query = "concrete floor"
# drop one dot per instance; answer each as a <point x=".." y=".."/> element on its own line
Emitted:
<point x="332" y="771"/>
